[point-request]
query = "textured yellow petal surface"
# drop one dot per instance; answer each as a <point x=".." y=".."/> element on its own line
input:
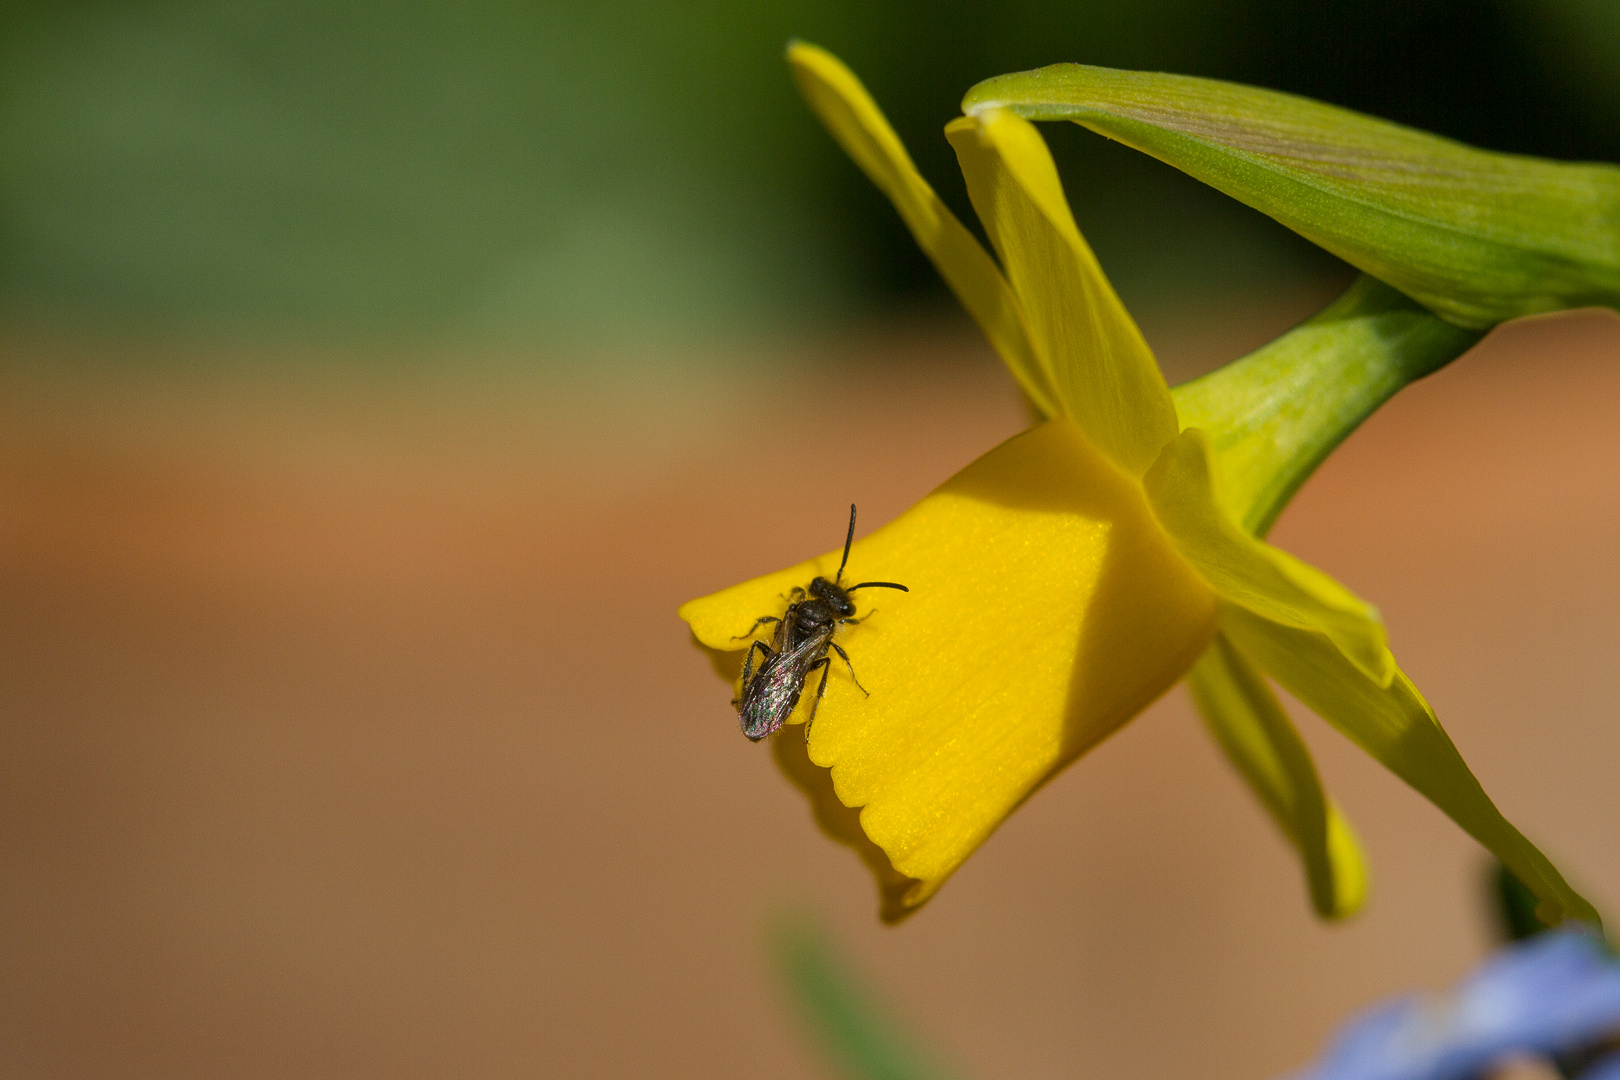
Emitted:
<point x="1395" y="725"/>
<point x="1105" y="375"/>
<point x="854" y="119"/>
<point x="1251" y="727"/>
<point x="1046" y="608"/>
<point x="1252" y="573"/>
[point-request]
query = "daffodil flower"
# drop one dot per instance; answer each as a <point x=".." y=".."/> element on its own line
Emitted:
<point x="1066" y="579"/>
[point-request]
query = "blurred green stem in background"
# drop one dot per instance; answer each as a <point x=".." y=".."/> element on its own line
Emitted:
<point x="854" y="1030"/>
<point x="857" y="1032"/>
<point x="1514" y="904"/>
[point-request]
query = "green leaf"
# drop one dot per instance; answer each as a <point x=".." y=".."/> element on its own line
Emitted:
<point x="1477" y="237"/>
<point x="856" y="1031"/>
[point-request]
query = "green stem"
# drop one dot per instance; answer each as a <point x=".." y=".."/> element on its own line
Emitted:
<point x="1274" y="415"/>
<point x="854" y="1029"/>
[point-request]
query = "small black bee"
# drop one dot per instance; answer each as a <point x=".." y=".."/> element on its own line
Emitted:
<point x="803" y="635"/>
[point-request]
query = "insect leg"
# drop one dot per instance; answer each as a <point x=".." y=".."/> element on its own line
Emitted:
<point x="840" y="651"/>
<point x="826" y="669"/>
<point x="757" y="624"/>
<point x="748" y="664"/>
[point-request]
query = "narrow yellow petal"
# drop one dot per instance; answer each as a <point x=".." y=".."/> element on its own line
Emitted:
<point x="854" y="119"/>
<point x="1104" y="372"/>
<point x="1251" y="726"/>
<point x="1395" y="725"/>
<point x="1047" y="608"/>
<point x="1252" y="573"/>
<point x="1349" y="865"/>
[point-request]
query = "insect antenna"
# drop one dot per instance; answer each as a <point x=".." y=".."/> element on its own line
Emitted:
<point x="848" y="540"/>
<point x="878" y="585"/>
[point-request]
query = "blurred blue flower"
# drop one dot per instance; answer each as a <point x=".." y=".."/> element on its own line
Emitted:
<point x="1554" y="996"/>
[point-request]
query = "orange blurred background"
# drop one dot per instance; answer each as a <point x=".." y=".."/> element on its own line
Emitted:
<point x="349" y="730"/>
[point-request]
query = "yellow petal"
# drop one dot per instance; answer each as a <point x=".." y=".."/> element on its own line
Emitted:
<point x="1251" y="726"/>
<point x="841" y="822"/>
<point x="1104" y="373"/>
<point x="1252" y="573"/>
<point x="1046" y="609"/>
<point x="1395" y="725"/>
<point x="854" y="119"/>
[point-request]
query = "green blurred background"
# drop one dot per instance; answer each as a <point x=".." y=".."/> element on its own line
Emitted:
<point x="540" y="174"/>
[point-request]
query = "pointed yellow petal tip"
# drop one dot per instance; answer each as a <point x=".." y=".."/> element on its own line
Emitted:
<point x="1251" y="727"/>
<point x="1349" y="867"/>
<point x="800" y="51"/>
<point x="856" y="122"/>
<point x="1396" y="726"/>
<point x="1046" y="609"/>
<point x="1100" y="368"/>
